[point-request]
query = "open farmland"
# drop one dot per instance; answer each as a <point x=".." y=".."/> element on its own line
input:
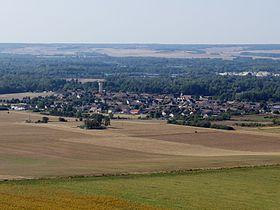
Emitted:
<point x="62" y="149"/>
<point x="146" y="50"/>
<point x="244" y="188"/>
<point x="24" y="95"/>
<point x="84" y="80"/>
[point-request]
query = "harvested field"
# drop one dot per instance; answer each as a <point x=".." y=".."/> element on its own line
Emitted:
<point x="63" y="149"/>
<point x="85" y="80"/>
<point x="24" y="95"/>
<point x="267" y="130"/>
<point x="229" y="141"/>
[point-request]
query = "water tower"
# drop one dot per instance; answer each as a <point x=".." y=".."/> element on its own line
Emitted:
<point x="100" y="86"/>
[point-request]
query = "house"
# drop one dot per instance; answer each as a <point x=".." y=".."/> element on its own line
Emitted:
<point x="135" y="111"/>
<point x="276" y="108"/>
<point x="18" y="108"/>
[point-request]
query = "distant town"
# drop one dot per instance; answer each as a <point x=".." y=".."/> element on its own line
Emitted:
<point x="250" y="73"/>
<point x="193" y="110"/>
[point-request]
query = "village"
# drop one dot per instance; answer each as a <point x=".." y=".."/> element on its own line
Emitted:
<point x="123" y="105"/>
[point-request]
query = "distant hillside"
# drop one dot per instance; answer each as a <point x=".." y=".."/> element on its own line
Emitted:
<point x="226" y="52"/>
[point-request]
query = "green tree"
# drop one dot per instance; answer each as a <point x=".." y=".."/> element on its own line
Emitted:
<point x="45" y="119"/>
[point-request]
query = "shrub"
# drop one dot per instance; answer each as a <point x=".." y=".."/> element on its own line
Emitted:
<point x="61" y="119"/>
<point x="223" y="127"/>
<point x="97" y="121"/>
<point x="199" y="123"/>
<point x="250" y="124"/>
<point x="45" y="119"/>
<point x="276" y="121"/>
<point x="2" y="108"/>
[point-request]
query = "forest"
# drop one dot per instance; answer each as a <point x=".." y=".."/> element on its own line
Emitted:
<point x="21" y="73"/>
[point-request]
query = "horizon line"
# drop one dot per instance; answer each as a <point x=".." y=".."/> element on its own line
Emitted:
<point x="134" y="43"/>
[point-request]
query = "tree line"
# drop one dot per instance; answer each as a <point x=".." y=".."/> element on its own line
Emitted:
<point x="22" y="73"/>
<point x="247" y="88"/>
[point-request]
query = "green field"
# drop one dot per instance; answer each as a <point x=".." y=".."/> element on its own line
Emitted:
<point x="254" y="118"/>
<point x="241" y="188"/>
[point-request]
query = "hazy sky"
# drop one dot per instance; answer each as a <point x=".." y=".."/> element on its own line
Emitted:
<point x="140" y="21"/>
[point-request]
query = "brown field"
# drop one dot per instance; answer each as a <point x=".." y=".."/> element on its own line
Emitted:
<point x="23" y="95"/>
<point x="62" y="149"/>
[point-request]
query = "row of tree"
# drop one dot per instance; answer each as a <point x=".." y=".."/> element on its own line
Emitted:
<point x="225" y="88"/>
<point x="197" y="121"/>
<point x="21" y="73"/>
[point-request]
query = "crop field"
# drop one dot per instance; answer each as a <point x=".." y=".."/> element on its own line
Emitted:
<point x="29" y="150"/>
<point x="23" y="95"/>
<point x="240" y="188"/>
<point x="272" y="130"/>
<point x="259" y="118"/>
<point x="84" y="80"/>
<point x="214" y="51"/>
<point x="263" y="119"/>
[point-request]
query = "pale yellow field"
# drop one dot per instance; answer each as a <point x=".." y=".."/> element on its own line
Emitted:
<point x="133" y="146"/>
<point x="23" y="95"/>
<point x="85" y="80"/>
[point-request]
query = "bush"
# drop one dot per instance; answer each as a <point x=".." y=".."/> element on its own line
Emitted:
<point x="223" y="127"/>
<point x="171" y="121"/>
<point x="92" y="124"/>
<point x="199" y="123"/>
<point x="250" y="124"/>
<point x="97" y="121"/>
<point x="276" y="121"/>
<point x="2" y="108"/>
<point x="61" y="119"/>
<point x="204" y="124"/>
<point x="45" y="119"/>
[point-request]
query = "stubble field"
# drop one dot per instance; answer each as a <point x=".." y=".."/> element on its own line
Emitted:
<point x="63" y="149"/>
<point x="24" y="95"/>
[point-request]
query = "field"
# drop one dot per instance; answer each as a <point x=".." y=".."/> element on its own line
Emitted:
<point x="250" y="122"/>
<point x="243" y="188"/>
<point x="23" y="95"/>
<point x="85" y="80"/>
<point x="128" y="146"/>
<point x="254" y="118"/>
<point x="158" y="51"/>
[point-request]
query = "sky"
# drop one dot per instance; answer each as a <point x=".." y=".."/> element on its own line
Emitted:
<point x="140" y="21"/>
